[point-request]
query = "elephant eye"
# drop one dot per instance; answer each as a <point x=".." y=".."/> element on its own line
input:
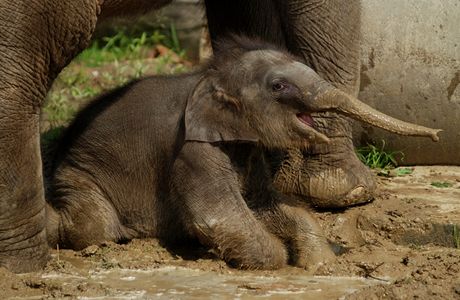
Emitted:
<point x="278" y="86"/>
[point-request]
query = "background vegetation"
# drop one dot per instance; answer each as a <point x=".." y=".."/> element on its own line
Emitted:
<point x="109" y="62"/>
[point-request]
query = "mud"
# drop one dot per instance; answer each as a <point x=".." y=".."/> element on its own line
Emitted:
<point x="403" y="245"/>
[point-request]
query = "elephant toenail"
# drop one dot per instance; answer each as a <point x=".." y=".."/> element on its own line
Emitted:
<point x="357" y="192"/>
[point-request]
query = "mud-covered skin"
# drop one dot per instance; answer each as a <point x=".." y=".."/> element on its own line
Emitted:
<point x="251" y="225"/>
<point x="185" y="156"/>
<point x="117" y="160"/>
<point x="255" y="226"/>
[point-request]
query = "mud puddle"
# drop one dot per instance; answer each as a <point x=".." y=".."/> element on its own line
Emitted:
<point x="179" y="282"/>
<point x="403" y="245"/>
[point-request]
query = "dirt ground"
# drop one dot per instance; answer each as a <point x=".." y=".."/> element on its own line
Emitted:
<point x="403" y="245"/>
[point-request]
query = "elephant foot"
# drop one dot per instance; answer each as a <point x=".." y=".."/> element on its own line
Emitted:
<point x="337" y="179"/>
<point x="328" y="175"/>
<point x="23" y="246"/>
<point x="269" y="255"/>
<point x="293" y="223"/>
<point x="248" y="248"/>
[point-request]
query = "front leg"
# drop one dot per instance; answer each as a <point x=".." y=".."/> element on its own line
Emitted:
<point x="285" y="217"/>
<point x="295" y="225"/>
<point x="207" y="193"/>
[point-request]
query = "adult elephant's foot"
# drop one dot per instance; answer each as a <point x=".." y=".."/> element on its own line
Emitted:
<point x="38" y="38"/>
<point x="336" y="178"/>
<point x="328" y="175"/>
<point x="23" y="246"/>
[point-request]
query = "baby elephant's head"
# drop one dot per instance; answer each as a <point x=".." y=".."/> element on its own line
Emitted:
<point x="254" y="92"/>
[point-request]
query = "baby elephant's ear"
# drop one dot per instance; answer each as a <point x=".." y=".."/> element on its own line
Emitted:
<point x="212" y="115"/>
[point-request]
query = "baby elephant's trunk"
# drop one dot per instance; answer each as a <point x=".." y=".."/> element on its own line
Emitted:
<point x="343" y="103"/>
<point x="322" y="96"/>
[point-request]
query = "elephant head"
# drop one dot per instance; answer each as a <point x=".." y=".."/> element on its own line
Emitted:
<point x="254" y="92"/>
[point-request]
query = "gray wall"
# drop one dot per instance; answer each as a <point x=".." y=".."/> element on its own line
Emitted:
<point x="411" y="70"/>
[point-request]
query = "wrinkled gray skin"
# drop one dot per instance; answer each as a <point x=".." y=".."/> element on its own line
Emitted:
<point x="184" y="156"/>
<point x="40" y="37"/>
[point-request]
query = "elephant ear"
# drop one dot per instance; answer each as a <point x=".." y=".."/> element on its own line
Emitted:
<point x="212" y="115"/>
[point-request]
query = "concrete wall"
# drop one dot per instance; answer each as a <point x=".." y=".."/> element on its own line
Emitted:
<point x="411" y="70"/>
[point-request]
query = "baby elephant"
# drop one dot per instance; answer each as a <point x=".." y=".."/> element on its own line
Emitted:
<point x="175" y="157"/>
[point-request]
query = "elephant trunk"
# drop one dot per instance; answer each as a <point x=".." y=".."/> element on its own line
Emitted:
<point x="322" y="96"/>
<point x="335" y="100"/>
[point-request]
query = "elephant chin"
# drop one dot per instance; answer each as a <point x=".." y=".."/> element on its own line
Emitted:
<point x="325" y="186"/>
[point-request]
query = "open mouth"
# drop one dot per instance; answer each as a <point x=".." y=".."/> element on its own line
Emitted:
<point x="306" y="119"/>
<point x="305" y="126"/>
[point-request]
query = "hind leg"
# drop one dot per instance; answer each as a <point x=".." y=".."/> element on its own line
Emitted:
<point x="80" y="215"/>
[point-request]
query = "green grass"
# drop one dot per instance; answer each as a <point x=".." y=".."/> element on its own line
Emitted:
<point x="123" y="46"/>
<point x="118" y="48"/>
<point x="107" y="63"/>
<point x="377" y="157"/>
<point x="404" y="171"/>
<point x="456" y="236"/>
<point x="442" y="184"/>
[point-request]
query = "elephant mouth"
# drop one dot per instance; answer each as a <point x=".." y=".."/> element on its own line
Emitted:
<point x="306" y="119"/>
<point x="305" y="126"/>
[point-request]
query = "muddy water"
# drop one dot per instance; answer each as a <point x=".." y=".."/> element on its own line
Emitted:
<point x="171" y="282"/>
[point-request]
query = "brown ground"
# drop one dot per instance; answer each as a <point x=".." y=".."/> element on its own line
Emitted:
<point x="404" y="245"/>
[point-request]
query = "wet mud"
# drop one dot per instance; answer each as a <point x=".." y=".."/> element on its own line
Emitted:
<point x="403" y="245"/>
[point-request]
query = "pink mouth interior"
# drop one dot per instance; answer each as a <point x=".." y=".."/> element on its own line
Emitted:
<point x="306" y="119"/>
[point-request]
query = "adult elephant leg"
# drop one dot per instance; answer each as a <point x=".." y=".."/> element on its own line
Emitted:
<point x="327" y="35"/>
<point x="122" y="7"/>
<point x="37" y="39"/>
<point x="328" y="175"/>
<point x="255" y="18"/>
